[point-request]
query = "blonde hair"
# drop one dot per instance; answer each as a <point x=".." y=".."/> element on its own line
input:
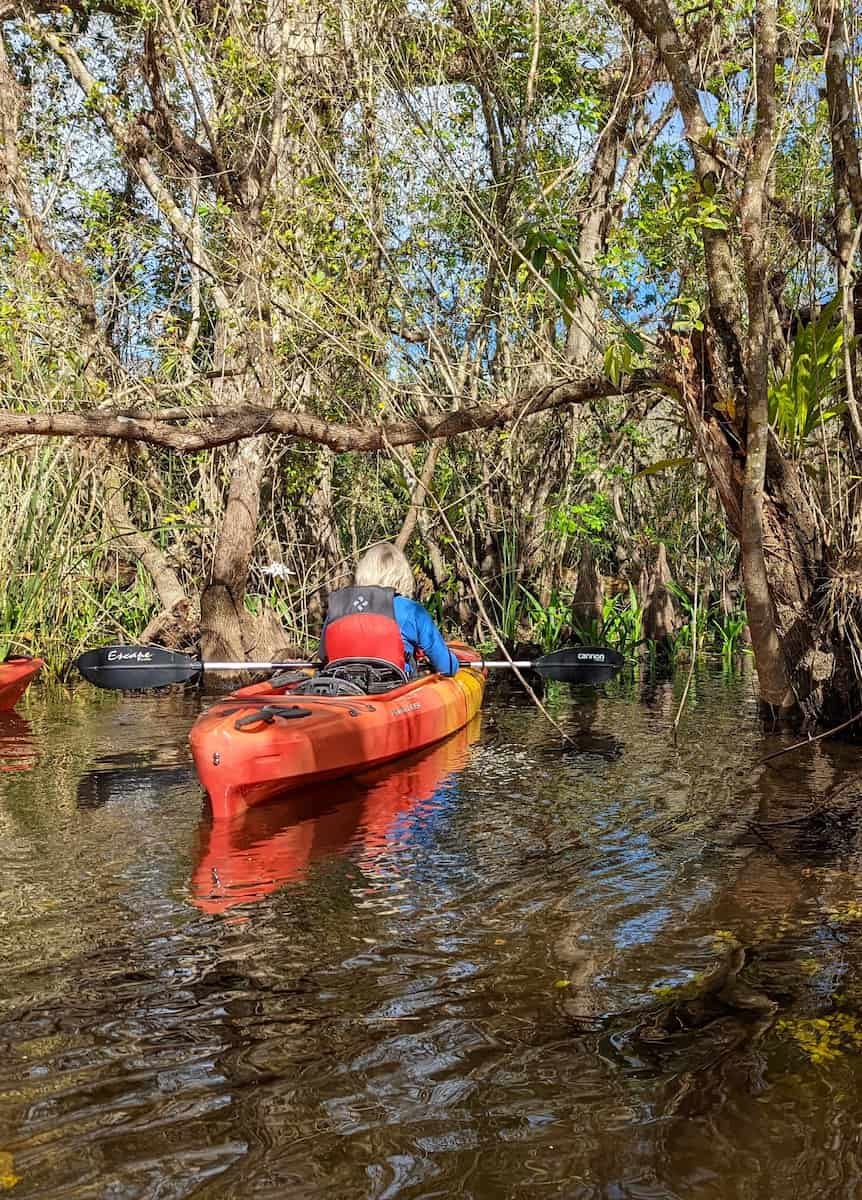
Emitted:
<point x="384" y="565"/>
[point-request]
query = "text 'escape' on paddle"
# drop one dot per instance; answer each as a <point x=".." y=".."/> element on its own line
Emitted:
<point x="133" y="668"/>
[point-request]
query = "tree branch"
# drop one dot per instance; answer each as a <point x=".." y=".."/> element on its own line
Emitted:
<point x="240" y="423"/>
<point x="199" y="104"/>
<point x="654" y="18"/>
<point x="13" y="180"/>
<point x="131" y="142"/>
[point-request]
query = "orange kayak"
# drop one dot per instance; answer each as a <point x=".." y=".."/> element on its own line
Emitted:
<point x="15" y="675"/>
<point x="261" y="849"/>
<point x="261" y="741"/>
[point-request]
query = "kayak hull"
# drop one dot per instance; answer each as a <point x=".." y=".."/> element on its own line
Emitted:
<point x="333" y="738"/>
<point x="242" y="860"/>
<point x="15" y="677"/>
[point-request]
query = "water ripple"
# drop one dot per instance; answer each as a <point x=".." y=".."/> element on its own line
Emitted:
<point x="440" y="980"/>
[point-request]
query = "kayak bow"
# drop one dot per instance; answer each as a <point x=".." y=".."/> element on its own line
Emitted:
<point x="15" y="676"/>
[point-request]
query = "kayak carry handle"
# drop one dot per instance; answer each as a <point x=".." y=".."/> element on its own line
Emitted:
<point x="268" y="714"/>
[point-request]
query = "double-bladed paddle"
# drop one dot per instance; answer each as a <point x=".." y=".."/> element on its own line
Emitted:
<point x="133" y="668"/>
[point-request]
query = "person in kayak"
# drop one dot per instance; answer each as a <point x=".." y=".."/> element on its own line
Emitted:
<point x="377" y="617"/>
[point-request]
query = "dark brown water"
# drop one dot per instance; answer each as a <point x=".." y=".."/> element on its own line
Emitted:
<point x="618" y="970"/>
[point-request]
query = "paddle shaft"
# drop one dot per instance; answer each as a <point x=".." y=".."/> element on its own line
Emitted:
<point x="254" y="666"/>
<point x="284" y="666"/>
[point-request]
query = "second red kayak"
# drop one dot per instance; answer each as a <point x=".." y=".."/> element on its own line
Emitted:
<point x="260" y="741"/>
<point x="15" y="676"/>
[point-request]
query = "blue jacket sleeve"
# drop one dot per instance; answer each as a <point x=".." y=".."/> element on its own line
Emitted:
<point x="429" y="638"/>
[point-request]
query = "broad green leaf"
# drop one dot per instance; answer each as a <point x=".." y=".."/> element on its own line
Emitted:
<point x="558" y="280"/>
<point x="666" y="464"/>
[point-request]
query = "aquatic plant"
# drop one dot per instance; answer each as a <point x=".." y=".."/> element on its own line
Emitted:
<point x="547" y="622"/>
<point x="823" y="1039"/>
<point x="728" y="628"/>
<point x="622" y="620"/>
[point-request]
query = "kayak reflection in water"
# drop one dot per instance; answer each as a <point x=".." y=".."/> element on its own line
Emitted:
<point x="377" y="617"/>
<point x="263" y="848"/>
<point x="17" y="748"/>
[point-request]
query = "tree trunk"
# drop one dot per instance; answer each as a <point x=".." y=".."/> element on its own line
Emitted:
<point x="140" y="548"/>
<point x="418" y="497"/>
<point x="658" y="615"/>
<point x="228" y="630"/>
<point x="588" y="600"/>
<point x="294" y="38"/>
<point x="815" y="592"/>
<point x="775" y="689"/>
<point x="801" y="663"/>
<point x="583" y="341"/>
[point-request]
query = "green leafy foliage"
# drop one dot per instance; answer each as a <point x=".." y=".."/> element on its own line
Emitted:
<point x="623" y="356"/>
<point x="547" y="621"/>
<point x="687" y="314"/>
<point x="622" y="620"/>
<point x="591" y="519"/>
<point x="729" y="628"/>
<point x="553" y="258"/>
<point x="808" y="394"/>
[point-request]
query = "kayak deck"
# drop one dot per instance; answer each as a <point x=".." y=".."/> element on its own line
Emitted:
<point x="305" y="739"/>
<point x="15" y="676"/>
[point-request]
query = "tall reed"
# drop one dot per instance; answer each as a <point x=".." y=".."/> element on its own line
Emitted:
<point x="62" y="583"/>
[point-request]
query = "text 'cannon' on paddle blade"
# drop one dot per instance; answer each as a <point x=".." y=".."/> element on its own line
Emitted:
<point x="126" y="668"/>
<point x="581" y="664"/>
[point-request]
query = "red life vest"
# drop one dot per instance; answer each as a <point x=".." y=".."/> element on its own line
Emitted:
<point x="360" y="623"/>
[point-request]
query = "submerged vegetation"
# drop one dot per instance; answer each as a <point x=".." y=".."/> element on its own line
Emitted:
<point x="823" y="1039"/>
<point x="562" y="299"/>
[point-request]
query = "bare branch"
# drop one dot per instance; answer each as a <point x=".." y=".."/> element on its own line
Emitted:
<point x="13" y="180"/>
<point x="236" y="425"/>
<point x="132" y="142"/>
<point x="193" y="88"/>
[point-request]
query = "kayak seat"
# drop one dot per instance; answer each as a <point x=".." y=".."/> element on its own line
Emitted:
<point x="286" y="678"/>
<point x="353" y="677"/>
<point x="322" y="685"/>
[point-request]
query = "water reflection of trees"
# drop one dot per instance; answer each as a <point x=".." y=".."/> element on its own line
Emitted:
<point x="760" y="995"/>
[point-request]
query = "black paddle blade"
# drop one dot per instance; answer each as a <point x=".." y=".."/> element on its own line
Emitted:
<point x="580" y="664"/>
<point x="131" y="668"/>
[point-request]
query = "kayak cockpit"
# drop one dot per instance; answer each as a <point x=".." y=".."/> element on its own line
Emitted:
<point x="353" y="677"/>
